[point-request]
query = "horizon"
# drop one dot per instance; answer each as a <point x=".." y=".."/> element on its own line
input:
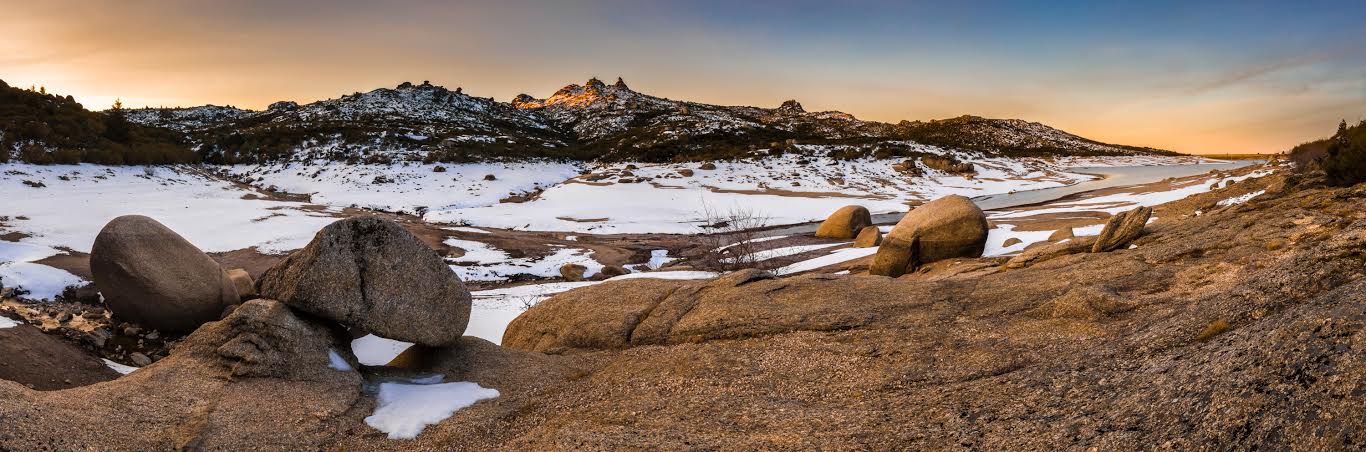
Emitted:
<point x="1205" y="79"/>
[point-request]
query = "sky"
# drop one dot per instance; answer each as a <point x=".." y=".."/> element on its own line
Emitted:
<point x="1194" y="77"/>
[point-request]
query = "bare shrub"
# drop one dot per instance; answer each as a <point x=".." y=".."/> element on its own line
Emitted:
<point x="728" y="237"/>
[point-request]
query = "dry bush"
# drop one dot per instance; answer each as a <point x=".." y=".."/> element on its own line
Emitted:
<point x="728" y="238"/>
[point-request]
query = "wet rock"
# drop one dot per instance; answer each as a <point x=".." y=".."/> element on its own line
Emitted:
<point x="1121" y="229"/>
<point x="868" y="237"/>
<point x="1012" y="242"/>
<point x="371" y="273"/>
<point x="151" y="275"/>
<point x="945" y="228"/>
<point x="845" y="223"/>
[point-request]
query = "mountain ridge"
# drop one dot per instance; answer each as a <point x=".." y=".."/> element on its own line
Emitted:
<point x="593" y="121"/>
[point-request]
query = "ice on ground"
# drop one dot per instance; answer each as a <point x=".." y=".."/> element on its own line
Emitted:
<point x="468" y="229"/>
<point x="494" y="309"/>
<point x="1241" y="199"/>
<point x="1120" y="202"/>
<point x="42" y="282"/>
<point x="775" y="253"/>
<point x="835" y="257"/>
<point x="783" y="190"/>
<point x="6" y="322"/>
<point x="658" y="258"/>
<point x="997" y="236"/>
<point x="676" y="275"/>
<point x="120" y="368"/>
<point x="336" y="362"/>
<point x="758" y="240"/>
<point x="212" y="214"/>
<point x="372" y="350"/>
<point x="404" y="410"/>
<point x="407" y="187"/>
<point x="482" y="262"/>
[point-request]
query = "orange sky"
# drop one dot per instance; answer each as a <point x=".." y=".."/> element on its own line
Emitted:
<point x="1174" y="89"/>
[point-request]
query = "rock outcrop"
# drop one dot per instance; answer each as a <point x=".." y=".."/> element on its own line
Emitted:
<point x="572" y="272"/>
<point x="1061" y="234"/>
<point x="945" y="228"/>
<point x="153" y="276"/>
<point x="845" y="223"/>
<point x="1121" y="229"/>
<point x="371" y="273"/>
<point x="610" y="271"/>
<point x="868" y="237"/>
<point x="1047" y="251"/>
<point x="242" y="282"/>
<point x="1201" y="338"/>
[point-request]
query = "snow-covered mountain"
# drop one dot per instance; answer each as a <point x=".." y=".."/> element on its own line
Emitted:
<point x="592" y="121"/>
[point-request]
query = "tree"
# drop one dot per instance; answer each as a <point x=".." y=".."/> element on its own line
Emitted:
<point x="1345" y="161"/>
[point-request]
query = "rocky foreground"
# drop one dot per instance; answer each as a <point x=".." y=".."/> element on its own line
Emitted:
<point x="1241" y="326"/>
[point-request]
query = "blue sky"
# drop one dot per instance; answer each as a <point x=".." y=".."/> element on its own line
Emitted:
<point x="1189" y="76"/>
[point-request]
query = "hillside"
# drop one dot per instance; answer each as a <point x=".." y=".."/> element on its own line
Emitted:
<point x="39" y="127"/>
<point x="589" y="122"/>
<point x="1010" y="136"/>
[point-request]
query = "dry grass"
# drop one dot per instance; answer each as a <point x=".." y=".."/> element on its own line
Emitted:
<point x="1215" y="328"/>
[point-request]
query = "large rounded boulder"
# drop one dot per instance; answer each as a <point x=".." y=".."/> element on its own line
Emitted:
<point x="845" y="223"/>
<point x="150" y="275"/>
<point x="945" y="228"/>
<point x="371" y="273"/>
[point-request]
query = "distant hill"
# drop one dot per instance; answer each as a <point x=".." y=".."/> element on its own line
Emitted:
<point x="592" y="121"/>
<point x="46" y="128"/>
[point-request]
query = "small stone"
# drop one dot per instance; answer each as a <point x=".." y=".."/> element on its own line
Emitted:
<point x="140" y="359"/>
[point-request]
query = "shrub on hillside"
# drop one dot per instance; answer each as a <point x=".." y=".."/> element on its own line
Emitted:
<point x="1344" y="162"/>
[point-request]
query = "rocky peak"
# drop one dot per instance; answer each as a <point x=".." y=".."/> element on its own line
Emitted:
<point x="283" y="105"/>
<point x="526" y="101"/>
<point x="620" y="84"/>
<point x="791" y="107"/>
<point x="593" y="84"/>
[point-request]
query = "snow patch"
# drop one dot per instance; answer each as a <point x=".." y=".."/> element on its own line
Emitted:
<point x="1241" y="199"/>
<point x="404" y="410"/>
<point x="120" y="368"/>
<point x="336" y="362"/>
<point x="835" y="257"/>
<point x="372" y="350"/>
<point x="6" y="322"/>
